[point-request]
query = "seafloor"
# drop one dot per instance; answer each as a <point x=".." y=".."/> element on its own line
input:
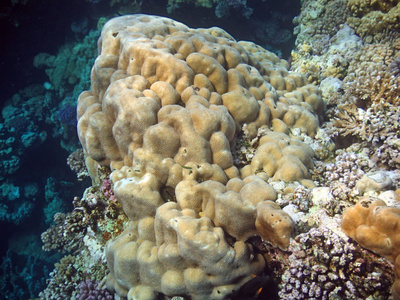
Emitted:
<point x="163" y="161"/>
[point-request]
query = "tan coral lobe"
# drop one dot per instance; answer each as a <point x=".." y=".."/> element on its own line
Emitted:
<point x="164" y="111"/>
<point x="376" y="226"/>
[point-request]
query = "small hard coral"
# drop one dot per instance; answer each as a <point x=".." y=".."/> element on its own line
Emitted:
<point x="376" y="227"/>
<point x="76" y="162"/>
<point x="374" y="16"/>
<point x="91" y="290"/>
<point x="321" y="264"/>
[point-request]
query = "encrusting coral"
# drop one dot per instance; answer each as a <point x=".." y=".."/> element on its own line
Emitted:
<point x="371" y="17"/>
<point x="165" y="107"/>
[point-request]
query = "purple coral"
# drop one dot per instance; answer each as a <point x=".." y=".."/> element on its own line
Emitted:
<point x="91" y="290"/>
<point x="106" y="189"/>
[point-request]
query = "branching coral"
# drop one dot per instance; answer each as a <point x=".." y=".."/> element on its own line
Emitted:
<point x="360" y="104"/>
<point x="69" y="273"/>
<point x="76" y="161"/>
<point x="370" y="78"/>
<point x="325" y="266"/>
<point x="67" y="233"/>
<point x="84" y="232"/>
<point x="92" y="290"/>
<point x="373" y="16"/>
<point x="363" y="7"/>
<point x="388" y="154"/>
<point x="374" y="125"/>
<point x="63" y="280"/>
<point x="366" y="107"/>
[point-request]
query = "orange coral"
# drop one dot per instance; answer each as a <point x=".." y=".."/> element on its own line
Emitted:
<point x="375" y="226"/>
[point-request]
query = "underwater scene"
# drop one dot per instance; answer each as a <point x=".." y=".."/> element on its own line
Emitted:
<point x="200" y="149"/>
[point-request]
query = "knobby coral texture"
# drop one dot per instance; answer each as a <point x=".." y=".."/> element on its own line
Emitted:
<point x="166" y="106"/>
<point x="374" y="225"/>
<point x="373" y="16"/>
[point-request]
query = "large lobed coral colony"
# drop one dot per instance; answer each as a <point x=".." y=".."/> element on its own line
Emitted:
<point x="166" y="107"/>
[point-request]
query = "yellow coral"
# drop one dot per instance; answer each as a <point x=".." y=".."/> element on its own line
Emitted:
<point x="373" y="16"/>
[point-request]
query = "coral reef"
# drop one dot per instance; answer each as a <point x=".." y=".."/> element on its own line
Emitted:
<point x="19" y="130"/>
<point x="223" y="8"/>
<point x="66" y="234"/>
<point x="358" y="76"/>
<point x="342" y="175"/>
<point x="65" y="280"/>
<point x="91" y="290"/>
<point x="95" y="210"/>
<point x="324" y="47"/>
<point x="320" y="19"/>
<point x="374" y="225"/>
<point x="83" y="233"/>
<point x="214" y="146"/>
<point x="173" y="4"/>
<point x="76" y="161"/>
<point x="34" y="183"/>
<point x="164" y="109"/>
<point x="323" y="265"/>
<point x="17" y="205"/>
<point x="70" y="68"/>
<point x="359" y="82"/>
<point x="55" y="194"/>
<point x="370" y="18"/>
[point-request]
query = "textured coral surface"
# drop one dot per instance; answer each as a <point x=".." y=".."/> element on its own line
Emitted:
<point x="165" y="109"/>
